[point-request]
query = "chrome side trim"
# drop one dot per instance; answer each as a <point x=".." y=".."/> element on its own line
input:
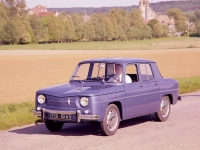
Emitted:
<point x="137" y="95"/>
<point x="169" y="90"/>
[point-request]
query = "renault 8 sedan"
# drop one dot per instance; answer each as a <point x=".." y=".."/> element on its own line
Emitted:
<point x="107" y="91"/>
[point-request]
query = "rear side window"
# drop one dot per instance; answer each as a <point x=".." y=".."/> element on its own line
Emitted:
<point x="131" y="71"/>
<point x="146" y="72"/>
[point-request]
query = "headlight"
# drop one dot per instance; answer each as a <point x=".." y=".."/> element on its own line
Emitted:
<point x="84" y="101"/>
<point x="41" y="99"/>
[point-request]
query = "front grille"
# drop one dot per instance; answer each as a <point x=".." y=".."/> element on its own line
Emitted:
<point x="62" y="102"/>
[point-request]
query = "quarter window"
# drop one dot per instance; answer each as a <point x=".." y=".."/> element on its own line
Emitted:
<point x="146" y="72"/>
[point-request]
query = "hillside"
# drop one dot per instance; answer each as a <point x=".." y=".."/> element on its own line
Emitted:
<point x="162" y="7"/>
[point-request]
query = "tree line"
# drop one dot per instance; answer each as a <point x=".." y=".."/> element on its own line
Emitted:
<point x="17" y="27"/>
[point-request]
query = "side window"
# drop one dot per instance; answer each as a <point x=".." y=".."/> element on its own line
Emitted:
<point x="110" y="69"/>
<point x="146" y="72"/>
<point x="98" y="70"/>
<point x="131" y="71"/>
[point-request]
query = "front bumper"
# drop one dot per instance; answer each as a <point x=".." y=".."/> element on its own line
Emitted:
<point x="78" y="114"/>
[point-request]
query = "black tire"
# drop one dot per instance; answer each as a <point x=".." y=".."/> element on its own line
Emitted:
<point x="164" y="111"/>
<point x="53" y="126"/>
<point x="111" y="120"/>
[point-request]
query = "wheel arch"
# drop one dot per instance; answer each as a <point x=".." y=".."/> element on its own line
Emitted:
<point x="119" y="106"/>
<point x="170" y="97"/>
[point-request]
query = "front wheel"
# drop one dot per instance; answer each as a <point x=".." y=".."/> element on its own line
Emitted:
<point x="163" y="113"/>
<point x="53" y="126"/>
<point x="110" y="123"/>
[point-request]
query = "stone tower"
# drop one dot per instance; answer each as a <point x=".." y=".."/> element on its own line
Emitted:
<point x="143" y="6"/>
<point x="147" y="12"/>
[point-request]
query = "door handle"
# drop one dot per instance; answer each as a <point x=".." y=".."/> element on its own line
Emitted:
<point x="156" y="83"/>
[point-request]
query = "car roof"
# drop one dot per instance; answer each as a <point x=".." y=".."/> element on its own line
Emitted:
<point x="118" y="60"/>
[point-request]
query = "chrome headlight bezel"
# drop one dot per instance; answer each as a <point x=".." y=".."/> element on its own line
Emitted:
<point x="41" y="99"/>
<point x="84" y="101"/>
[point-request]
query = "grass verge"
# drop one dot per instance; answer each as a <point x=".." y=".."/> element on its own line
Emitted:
<point x="189" y="84"/>
<point x="151" y="44"/>
<point x="12" y="115"/>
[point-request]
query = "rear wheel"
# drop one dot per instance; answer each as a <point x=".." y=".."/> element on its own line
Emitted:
<point x="165" y="106"/>
<point x="110" y="123"/>
<point x="53" y="126"/>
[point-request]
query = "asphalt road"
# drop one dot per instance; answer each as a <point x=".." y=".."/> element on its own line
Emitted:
<point x="181" y="131"/>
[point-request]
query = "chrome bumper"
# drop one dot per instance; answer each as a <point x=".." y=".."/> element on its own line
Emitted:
<point x="77" y="113"/>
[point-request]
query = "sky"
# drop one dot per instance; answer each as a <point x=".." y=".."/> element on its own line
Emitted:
<point x="84" y="3"/>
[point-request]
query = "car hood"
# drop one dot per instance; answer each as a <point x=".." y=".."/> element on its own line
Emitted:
<point x="84" y="89"/>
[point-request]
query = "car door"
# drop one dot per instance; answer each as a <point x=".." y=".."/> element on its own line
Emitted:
<point x="152" y="88"/>
<point x="135" y="93"/>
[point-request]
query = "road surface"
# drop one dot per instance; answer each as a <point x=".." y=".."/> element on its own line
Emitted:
<point x="181" y="131"/>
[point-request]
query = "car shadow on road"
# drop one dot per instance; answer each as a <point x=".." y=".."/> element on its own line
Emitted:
<point x="74" y="129"/>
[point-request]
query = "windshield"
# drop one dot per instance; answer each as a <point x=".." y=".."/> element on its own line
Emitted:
<point x="106" y="72"/>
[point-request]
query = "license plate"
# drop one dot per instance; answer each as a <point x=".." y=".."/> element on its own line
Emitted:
<point x="61" y="116"/>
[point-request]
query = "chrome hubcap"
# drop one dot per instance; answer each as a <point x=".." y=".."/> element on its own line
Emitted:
<point x="164" y="107"/>
<point x="112" y="120"/>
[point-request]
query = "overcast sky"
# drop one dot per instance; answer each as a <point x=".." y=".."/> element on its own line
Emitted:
<point x="84" y="3"/>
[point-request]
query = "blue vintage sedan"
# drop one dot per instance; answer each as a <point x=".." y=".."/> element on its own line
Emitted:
<point x="108" y="90"/>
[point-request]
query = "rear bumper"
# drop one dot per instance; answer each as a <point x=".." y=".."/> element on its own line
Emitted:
<point x="78" y="114"/>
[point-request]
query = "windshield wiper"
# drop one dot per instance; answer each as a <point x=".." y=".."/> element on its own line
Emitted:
<point x="78" y="78"/>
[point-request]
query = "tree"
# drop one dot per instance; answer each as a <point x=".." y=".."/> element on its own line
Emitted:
<point x="44" y="37"/>
<point x="15" y="7"/>
<point x="165" y="29"/>
<point x="29" y="29"/>
<point x="78" y="26"/>
<point x="115" y="26"/>
<point x="25" y="38"/>
<point x="120" y="21"/>
<point x="136" y="19"/>
<point x="198" y="28"/>
<point x="109" y="29"/>
<point x="146" y="32"/>
<point x="197" y="13"/>
<point x="157" y="30"/>
<point x="179" y="18"/>
<point x="192" y="18"/>
<point x="10" y="33"/>
<point x="36" y="28"/>
<point x="152" y="22"/>
<point x="3" y="11"/>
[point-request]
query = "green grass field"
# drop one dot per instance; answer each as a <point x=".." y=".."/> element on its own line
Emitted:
<point x="152" y="44"/>
<point x="12" y="115"/>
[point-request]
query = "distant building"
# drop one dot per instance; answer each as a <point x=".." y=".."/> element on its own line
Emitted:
<point x="41" y="11"/>
<point x="148" y="13"/>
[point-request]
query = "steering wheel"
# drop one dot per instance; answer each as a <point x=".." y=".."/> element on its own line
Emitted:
<point x="112" y="76"/>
